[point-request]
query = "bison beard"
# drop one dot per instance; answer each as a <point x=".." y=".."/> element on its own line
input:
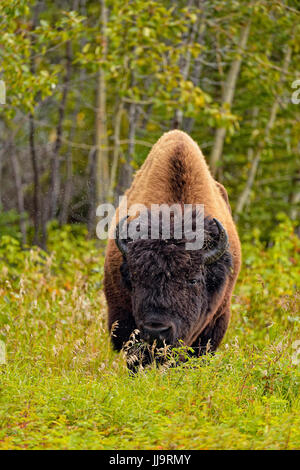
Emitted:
<point x="156" y="286"/>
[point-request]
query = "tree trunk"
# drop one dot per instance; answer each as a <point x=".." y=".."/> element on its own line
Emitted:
<point x="36" y="182"/>
<point x="227" y="98"/>
<point x="102" y="168"/>
<point x="68" y="189"/>
<point x="32" y="148"/>
<point x="19" y="192"/>
<point x="189" y="122"/>
<point x="67" y="192"/>
<point x="55" y="163"/>
<point x="127" y="169"/>
<point x="1" y="167"/>
<point x="117" y="150"/>
<point x="91" y="190"/>
<point x="131" y="145"/>
<point x="253" y="170"/>
<point x="185" y="65"/>
<point x="295" y="198"/>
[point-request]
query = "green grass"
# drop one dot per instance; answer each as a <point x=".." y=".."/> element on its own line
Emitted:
<point x="64" y="388"/>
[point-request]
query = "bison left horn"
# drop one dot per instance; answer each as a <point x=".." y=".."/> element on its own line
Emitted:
<point x="214" y="254"/>
<point x="120" y="242"/>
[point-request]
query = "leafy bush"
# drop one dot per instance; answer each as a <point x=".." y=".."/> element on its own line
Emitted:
<point x="9" y="223"/>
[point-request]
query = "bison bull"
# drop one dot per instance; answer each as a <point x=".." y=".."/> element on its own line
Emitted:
<point x="159" y="287"/>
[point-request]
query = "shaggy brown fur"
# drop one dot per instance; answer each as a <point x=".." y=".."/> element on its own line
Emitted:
<point x="159" y="278"/>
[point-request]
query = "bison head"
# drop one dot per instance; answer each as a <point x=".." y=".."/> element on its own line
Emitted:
<point x="174" y="290"/>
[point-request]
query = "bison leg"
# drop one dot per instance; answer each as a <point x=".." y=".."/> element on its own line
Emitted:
<point x="211" y="336"/>
<point x="121" y="330"/>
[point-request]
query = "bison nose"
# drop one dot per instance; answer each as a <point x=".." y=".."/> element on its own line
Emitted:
<point x="157" y="330"/>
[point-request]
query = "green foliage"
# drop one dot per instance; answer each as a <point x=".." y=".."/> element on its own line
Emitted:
<point x="64" y="388"/>
<point x="21" y="41"/>
<point x="9" y="223"/>
<point x="162" y="58"/>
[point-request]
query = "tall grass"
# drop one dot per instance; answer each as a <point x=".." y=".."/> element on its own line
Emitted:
<point x="63" y="387"/>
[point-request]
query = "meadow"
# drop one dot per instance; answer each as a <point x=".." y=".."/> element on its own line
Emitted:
<point x="63" y="387"/>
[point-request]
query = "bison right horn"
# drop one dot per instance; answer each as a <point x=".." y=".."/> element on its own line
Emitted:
<point x="120" y="242"/>
<point x="214" y="254"/>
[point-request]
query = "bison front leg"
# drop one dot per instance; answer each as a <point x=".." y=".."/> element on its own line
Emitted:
<point x="212" y="335"/>
<point x="121" y="326"/>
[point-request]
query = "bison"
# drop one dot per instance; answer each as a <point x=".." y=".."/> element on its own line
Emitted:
<point x="158" y="287"/>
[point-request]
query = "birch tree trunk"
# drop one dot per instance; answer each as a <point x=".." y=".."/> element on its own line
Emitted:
<point x="253" y="170"/>
<point x="102" y="168"/>
<point x="1" y="167"/>
<point x="19" y="192"/>
<point x="185" y="65"/>
<point x="197" y="69"/>
<point x="127" y="169"/>
<point x="131" y="145"/>
<point x="36" y="181"/>
<point x="295" y="198"/>
<point x="67" y="192"/>
<point x="117" y="151"/>
<point x="91" y="190"/>
<point x="55" y="163"/>
<point x="37" y="219"/>
<point x="227" y="98"/>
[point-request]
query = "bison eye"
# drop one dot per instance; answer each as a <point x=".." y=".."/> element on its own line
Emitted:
<point x="192" y="281"/>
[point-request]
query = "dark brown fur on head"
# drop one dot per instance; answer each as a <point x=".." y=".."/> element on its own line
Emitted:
<point x="171" y="285"/>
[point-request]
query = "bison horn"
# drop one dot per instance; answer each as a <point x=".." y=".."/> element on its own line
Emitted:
<point x="213" y="255"/>
<point x="121" y="243"/>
